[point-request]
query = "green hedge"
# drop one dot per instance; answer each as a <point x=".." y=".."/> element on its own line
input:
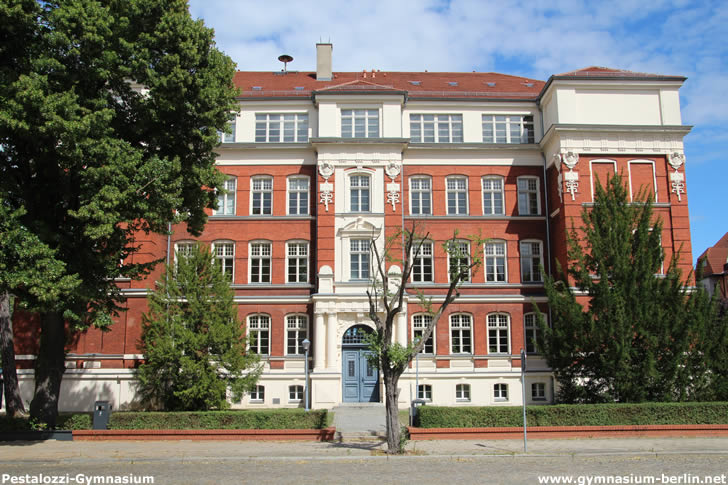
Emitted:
<point x="574" y="415"/>
<point x="239" y="419"/>
<point x="242" y="419"/>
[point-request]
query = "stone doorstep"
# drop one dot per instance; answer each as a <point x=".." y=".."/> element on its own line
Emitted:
<point x="556" y="432"/>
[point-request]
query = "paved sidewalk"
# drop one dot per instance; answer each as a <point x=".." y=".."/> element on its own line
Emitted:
<point x="193" y="451"/>
<point x="360" y="420"/>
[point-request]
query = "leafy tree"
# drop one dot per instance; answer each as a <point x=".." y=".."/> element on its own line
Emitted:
<point x="639" y="337"/>
<point x="387" y="296"/>
<point x="194" y="349"/>
<point x="95" y="159"/>
<point x="28" y="269"/>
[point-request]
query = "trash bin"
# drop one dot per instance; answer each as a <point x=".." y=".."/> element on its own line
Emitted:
<point x="102" y="413"/>
<point x="413" y="410"/>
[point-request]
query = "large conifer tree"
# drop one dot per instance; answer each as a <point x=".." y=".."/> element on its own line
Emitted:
<point x="643" y="335"/>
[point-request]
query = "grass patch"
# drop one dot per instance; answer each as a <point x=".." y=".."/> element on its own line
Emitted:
<point x="574" y="415"/>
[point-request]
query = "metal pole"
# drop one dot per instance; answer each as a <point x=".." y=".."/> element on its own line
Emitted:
<point x="523" y="393"/>
<point x="306" y="383"/>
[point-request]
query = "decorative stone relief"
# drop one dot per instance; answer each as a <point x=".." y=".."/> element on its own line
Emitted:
<point x="677" y="160"/>
<point x="571" y="178"/>
<point x="326" y="189"/>
<point x="392" y="170"/>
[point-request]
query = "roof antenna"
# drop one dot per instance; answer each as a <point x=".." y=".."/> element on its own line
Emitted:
<point x="285" y="59"/>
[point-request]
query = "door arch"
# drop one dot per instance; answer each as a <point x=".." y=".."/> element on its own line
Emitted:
<point x="360" y="379"/>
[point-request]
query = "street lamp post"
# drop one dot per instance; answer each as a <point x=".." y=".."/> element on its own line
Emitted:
<point x="523" y="394"/>
<point x="306" y="345"/>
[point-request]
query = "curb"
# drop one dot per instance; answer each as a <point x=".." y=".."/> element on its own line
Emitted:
<point x="326" y="434"/>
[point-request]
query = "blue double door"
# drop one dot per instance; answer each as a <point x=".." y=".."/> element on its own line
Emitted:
<point x="360" y="378"/>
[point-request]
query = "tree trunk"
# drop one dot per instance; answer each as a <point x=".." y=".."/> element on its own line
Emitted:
<point x="49" y="368"/>
<point x="13" y="401"/>
<point x="391" y="394"/>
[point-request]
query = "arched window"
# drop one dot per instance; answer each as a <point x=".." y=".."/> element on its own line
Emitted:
<point x="259" y="330"/>
<point x="420" y="322"/>
<point x="494" y="256"/>
<point x="223" y="253"/>
<point x="359" y="191"/>
<point x="492" y="195"/>
<point x="461" y="327"/>
<point x="498" y="335"/>
<point x="296" y="333"/>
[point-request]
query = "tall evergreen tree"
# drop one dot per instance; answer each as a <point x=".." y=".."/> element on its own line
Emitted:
<point x="194" y="348"/>
<point x="109" y="113"/>
<point x="641" y="336"/>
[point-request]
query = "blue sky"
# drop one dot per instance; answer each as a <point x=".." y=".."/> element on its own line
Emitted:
<point x="530" y="38"/>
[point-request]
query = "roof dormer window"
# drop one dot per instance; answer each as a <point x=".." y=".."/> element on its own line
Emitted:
<point x="453" y="83"/>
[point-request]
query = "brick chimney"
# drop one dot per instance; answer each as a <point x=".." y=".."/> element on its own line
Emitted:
<point x="324" y="70"/>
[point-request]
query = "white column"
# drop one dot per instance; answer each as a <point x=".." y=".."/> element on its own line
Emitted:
<point x="319" y="346"/>
<point x="402" y="329"/>
<point x="331" y="341"/>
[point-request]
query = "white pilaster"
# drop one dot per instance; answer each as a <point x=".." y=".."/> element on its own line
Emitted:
<point x="319" y="346"/>
<point x="402" y="329"/>
<point x="331" y="341"/>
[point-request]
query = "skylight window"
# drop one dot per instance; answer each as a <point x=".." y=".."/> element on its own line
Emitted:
<point x="453" y="83"/>
<point x="298" y="88"/>
<point x="490" y="84"/>
<point x="257" y="88"/>
<point x="528" y="85"/>
<point x="415" y="83"/>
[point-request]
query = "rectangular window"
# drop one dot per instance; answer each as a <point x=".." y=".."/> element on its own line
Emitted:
<point x="257" y="394"/>
<point x="538" y="391"/>
<point x="424" y="391"/>
<point x="495" y="261"/>
<point x="531" y="332"/>
<point x="296" y="333"/>
<point x="281" y="128"/>
<point x="297" y="256"/>
<point x="457" y="195"/>
<point x="498" y="333"/>
<point x="262" y="192"/>
<point x="421" y="196"/>
<point x="229" y="135"/>
<point x="359" y="253"/>
<point x="419" y="324"/>
<point x="259" y="329"/>
<point x="462" y="392"/>
<point x="528" y="196"/>
<point x="492" y="196"/>
<point x="436" y="128"/>
<point x="458" y="256"/>
<point x="359" y="123"/>
<point x="531" y="262"/>
<point x="500" y="392"/>
<point x="226" y="198"/>
<point x="508" y="129"/>
<point x="298" y="196"/>
<point x="260" y="255"/>
<point x="422" y="265"/>
<point x="460" y="326"/>
<point x="359" y="193"/>
<point x="295" y="393"/>
<point x="224" y="254"/>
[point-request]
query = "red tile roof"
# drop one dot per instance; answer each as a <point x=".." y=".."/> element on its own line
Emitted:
<point x="415" y="84"/>
<point x="602" y="72"/>
<point x="716" y="257"/>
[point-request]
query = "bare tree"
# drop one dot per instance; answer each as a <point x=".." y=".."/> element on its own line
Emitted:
<point x="387" y="296"/>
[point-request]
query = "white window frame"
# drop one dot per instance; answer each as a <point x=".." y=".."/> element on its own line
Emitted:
<point x="296" y="259"/>
<point x="224" y="257"/>
<point x="296" y="327"/>
<point x="229" y="137"/>
<point x="226" y="197"/>
<point x="654" y="177"/>
<point x="360" y="189"/>
<point x="464" y="248"/>
<point x="462" y="392"/>
<point x="424" y="391"/>
<point x="498" y="324"/>
<point x="256" y="250"/>
<point x="266" y="122"/>
<point x="257" y="395"/>
<point x="359" y="254"/>
<point x="509" y="120"/>
<point x="527" y="209"/>
<point x="530" y="332"/>
<point x="491" y="193"/>
<point x="419" y="323"/>
<point x="456" y="191"/>
<point x="592" y="181"/>
<point x="295" y="393"/>
<point x="262" y="191"/>
<point x="500" y="392"/>
<point x="529" y="259"/>
<point x="259" y="323"/>
<point x="182" y="249"/>
<point x="539" y="395"/>
<point x="437" y="124"/>
<point x="372" y="123"/>
<point x="427" y="251"/>
<point x="297" y="191"/>
<point x="490" y="260"/>
<point x="414" y="180"/>
<point x="461" y="327"/>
